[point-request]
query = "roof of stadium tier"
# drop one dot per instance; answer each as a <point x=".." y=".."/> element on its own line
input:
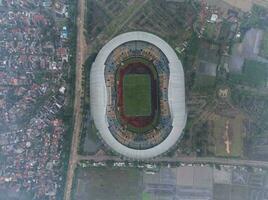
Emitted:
<point x="99" y="96"/>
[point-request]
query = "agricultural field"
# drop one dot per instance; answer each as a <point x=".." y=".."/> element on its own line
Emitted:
<point x="107" y="183"/>
<point x="102" y="12"/>
<point x="254" y="74"/>
<point x="137" y="95"/>
<point x="230" y="192"/>
<point x="169" y="20"/>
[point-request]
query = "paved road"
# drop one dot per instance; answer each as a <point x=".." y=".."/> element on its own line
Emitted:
<point x="80" y="58"/>
<point x="188" y="160"/>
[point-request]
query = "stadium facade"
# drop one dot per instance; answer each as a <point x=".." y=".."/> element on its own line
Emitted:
<point x="104" y="92"/>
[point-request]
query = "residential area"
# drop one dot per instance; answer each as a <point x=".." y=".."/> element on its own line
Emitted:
<point x="34" y="66"/>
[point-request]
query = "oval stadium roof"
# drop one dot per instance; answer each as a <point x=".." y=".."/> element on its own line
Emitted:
<point x="176" y="96"/>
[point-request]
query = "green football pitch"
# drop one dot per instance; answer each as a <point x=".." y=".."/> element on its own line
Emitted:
<point x="137" y="95"/>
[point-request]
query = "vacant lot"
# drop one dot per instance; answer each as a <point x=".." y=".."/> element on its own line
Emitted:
<point x="107" y="183"/>
<point x="244" y="5"/>
<point x="204" y="84"/>
<point x="235" y="133"/>
<point x="137" y="95"/>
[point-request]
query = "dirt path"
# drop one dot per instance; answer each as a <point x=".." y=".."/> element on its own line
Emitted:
<point x="80" y="59"/>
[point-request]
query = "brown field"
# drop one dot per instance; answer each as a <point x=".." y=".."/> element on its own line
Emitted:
<point x="244" y="5"/>
<point x="235" y="133"/>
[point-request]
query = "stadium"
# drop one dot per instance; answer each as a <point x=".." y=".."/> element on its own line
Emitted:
<point x="137" y="95"/>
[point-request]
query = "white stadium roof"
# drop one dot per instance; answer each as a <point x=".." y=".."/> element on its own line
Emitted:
<point x="176" y="96"/>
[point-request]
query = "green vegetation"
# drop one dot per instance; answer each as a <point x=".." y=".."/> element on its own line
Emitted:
<point x="204" y="84"/>
<point x="235" y="134"/>
<point x="194" y="46"/>
<point x="264" y="45"/>
<point x="255" y="20"/>
<point x="137" y="95"/>
<point x="254" y="74"/>
<point x="155" y="77"/>
<point x="96" y="19"/>
<point x="67" y="114"/>
<point x="87" y="128"/>
<point x="146" y="196"/>
<point x="107" y="183"/>
<point x="42" y="76"/>
<point x="210" y="31"/>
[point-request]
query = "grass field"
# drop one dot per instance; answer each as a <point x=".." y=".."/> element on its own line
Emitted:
<point x="137" y="95"/>
<point x="146" y="196"/>
<point x="236" y="138"/>
<point x="254" y="74"/>
<point x="107" y="184"/>
<point x="264" y="45"/>
<point x="210" y="30"/>
<point x="204" y="84"/>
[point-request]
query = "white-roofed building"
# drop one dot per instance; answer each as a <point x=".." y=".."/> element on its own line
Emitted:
<point x="99" y="97"/>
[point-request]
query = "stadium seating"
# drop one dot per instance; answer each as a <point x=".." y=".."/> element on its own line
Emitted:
<point x="114" y="61"/>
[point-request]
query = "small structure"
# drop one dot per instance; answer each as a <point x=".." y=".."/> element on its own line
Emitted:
<point x="62" y="90"/>
<point x="64" y="33"/>
<point x="213" y="18"/>
<point x="223" y="93"/>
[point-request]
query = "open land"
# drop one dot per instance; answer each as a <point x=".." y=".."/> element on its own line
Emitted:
<point x="244" y="5"/>
<point x="235" y="135"/>
<point x="107" y="183"/>
<point x="185" y="182"/>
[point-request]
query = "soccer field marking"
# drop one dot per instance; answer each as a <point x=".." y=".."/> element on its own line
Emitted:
<point x="137" y="95"/>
